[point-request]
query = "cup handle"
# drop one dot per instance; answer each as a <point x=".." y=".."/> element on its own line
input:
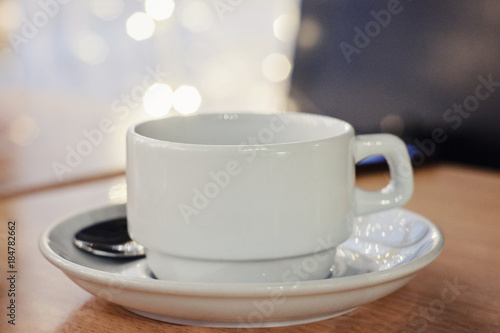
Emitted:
<point x="400" y="187"/>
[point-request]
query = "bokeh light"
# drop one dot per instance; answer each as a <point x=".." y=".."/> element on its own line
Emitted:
<point x="309" y="34"/>
<point x="197" y="16"/>
<point x="159" y="9"/>
<point x="140" y="26"/>
<point x="392" y="123"/>
<point x="276" y="67"/>
<point x="91" y="48"/>
<point x="158" y="100"/>
<point x="187" y="99"/>
<point x="286" y="26"/>
<point x="23" y="130"/>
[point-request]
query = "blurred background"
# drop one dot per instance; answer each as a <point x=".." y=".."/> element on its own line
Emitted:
<point x="418" y="72"/>
<point x="74" y="75"/>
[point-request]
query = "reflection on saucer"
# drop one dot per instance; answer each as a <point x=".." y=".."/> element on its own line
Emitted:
<point x="385" y="251"/>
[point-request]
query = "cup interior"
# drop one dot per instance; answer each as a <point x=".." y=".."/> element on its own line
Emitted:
<point x="243" y="128"/>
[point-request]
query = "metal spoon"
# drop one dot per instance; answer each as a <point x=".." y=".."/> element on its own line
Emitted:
<point x="109" y="239"/>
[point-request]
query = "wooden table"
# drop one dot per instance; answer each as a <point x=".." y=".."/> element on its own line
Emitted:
<point x="459" y="292"/>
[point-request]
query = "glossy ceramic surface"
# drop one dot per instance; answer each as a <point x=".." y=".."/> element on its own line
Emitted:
<point x="386" y="250"/>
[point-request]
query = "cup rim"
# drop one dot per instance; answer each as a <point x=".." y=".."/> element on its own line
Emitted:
<point x="132" y="131"/>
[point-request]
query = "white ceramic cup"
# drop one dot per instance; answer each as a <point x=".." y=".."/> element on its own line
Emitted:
<point x="237" y="197"/>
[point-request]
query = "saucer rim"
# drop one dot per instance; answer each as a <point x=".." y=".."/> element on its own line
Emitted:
<point x="200" y="289"/>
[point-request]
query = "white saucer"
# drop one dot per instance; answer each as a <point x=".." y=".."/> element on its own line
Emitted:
<point x="386" y="251"/>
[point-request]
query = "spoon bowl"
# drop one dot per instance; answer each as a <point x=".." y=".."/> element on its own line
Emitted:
<point x="109" y="239"/>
